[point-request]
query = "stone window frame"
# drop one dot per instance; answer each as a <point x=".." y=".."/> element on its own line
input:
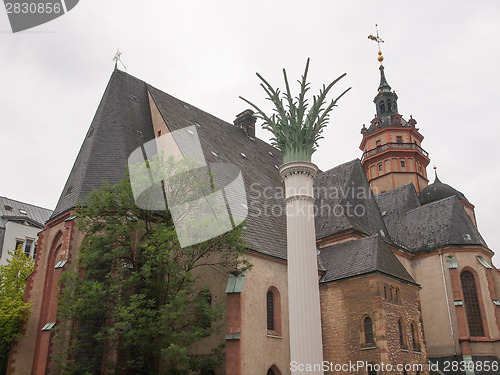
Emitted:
<point x="403" y="340"/>
<point x="478" y="315"/>
<point x="392" y="293"/>
<point x="415" y="337"/>
<point x="276" y="311"/>
<point x="365" y="344"/>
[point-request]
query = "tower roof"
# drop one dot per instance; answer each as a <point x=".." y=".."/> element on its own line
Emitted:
<point x="438" y="190"/>
<point x="384" y="86"/>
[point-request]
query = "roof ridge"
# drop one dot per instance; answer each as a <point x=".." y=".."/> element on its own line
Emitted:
<point x="440" y="201"/>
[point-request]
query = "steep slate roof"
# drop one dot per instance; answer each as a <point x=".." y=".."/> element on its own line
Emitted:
<point x="359" y="257"/>
<point x="121" y="124"/>
<point x="345" y="201"/>
<point x="266" y="222"/>
<point x="34" y="214"/>
<point x="424" y="228"/>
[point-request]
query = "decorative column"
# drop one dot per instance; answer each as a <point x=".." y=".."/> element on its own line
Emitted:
<point x="306" y="346"/>
<point x="296" y="128"/>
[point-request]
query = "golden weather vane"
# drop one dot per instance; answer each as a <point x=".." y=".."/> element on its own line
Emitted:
<point x="378" y="40"/>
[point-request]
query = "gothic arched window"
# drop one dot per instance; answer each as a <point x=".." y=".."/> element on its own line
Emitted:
<point x="368" y="330"/>
<point x="471" y="302"/>
<point x="382" y="107"/>
<point x="273" y="371"/>
<point x="273" y="311"/>
<point x="414" y="337"/>
<point x="402" y="341"/>
<point x="270" y="311"/>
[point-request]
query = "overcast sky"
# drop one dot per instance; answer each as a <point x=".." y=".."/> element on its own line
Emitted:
<point x="441" y="57"/>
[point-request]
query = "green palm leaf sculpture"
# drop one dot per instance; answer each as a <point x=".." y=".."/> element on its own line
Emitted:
<point x="296" y="128"/>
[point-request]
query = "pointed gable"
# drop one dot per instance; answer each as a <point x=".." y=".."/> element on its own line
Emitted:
<point x="345" y="201"/>
<point x="121" y="124"/>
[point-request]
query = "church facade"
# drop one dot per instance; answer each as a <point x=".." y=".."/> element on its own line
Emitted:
<point x="406" y="279"/>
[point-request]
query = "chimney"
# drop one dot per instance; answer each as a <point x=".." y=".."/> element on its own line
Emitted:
<point x="246" y="121"/>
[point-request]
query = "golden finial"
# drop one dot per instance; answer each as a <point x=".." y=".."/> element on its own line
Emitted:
<point x="378" y="40"/>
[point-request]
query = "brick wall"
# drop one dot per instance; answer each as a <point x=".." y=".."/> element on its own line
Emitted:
<point x="345" y="304"/>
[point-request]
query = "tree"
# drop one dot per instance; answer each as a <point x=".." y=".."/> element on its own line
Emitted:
<point x="296" y="130"/>
<point x="134" y="303"/>
<point x="13" y="310"/>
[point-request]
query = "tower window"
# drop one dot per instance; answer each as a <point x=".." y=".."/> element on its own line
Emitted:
<point x="368" y="330"/>
<point x="382" y="107"/>
<point x="399" y="139"/>
<point x="377" y="142"/>
<point x="389" y="105"/>
<point x="380" y="167"/>
<point x="403" y="164"/>
<point x="471" y="302"/>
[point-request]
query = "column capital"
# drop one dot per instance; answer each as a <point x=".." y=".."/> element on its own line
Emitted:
<point x="298" y="167"/>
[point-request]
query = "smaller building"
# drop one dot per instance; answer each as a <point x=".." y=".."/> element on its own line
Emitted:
<point x="20" y="224"/>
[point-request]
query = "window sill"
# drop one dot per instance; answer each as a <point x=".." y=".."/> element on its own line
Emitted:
<point x="417" y="351"/>
<point x="368" y="346"/>
<point x="405" y="350"/>
<point x="274" y="336"/>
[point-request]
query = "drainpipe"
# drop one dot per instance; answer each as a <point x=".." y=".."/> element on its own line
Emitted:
<point x="448" y="305"/>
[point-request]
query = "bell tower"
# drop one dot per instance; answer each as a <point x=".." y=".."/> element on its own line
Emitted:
<point x="391" y="145"/>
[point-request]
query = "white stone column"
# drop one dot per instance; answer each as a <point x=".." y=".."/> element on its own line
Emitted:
<point x="306" y="346"/>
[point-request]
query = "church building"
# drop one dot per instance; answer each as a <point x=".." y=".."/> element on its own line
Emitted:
<point x="405" y="276"/>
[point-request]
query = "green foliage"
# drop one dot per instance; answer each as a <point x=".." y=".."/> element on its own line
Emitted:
<point x="13" y="309"/>
<point x="134" y="303"/>
<point x="296" y="130"/>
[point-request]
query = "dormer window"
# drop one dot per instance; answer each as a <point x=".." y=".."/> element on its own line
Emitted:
<point x="22" y="212"/>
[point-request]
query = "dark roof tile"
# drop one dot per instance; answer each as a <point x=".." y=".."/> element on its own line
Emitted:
<point x="359" y="257"/>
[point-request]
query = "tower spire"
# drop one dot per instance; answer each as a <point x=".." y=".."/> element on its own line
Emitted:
<point x="379" y="40"/>
<point x="436" y="178"/>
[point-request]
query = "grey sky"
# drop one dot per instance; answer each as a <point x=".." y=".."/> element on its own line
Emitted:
<point x="441" y="57"/>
